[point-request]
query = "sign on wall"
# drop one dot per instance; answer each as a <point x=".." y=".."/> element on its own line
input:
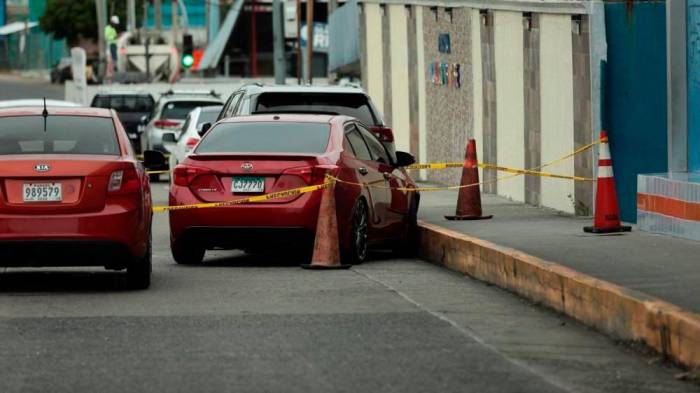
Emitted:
<point x="445" y="74"/>
<point x="444" y="43"/>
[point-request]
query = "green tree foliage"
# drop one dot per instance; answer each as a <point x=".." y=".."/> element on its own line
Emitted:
<point x="72" y="19"/>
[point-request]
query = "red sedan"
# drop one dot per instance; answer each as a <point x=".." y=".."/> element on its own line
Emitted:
<point x="252" y="155"/>
<point x="72" y="192"/>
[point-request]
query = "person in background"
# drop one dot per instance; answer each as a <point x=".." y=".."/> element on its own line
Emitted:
<point x="111" y="37"/>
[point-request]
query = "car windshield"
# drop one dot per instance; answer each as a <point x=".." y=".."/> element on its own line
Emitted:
<point x="266" y="137"/>
<point x="179" y="110"/>
<point x="349" y="104"/>
<point x="63" y="135"/>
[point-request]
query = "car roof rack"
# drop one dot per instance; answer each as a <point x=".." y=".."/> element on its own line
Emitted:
<point x="172" y="92"/>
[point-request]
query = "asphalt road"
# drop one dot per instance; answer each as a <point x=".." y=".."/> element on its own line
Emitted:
<point x="258" y="323"/>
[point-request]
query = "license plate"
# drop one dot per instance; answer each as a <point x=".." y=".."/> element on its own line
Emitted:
<point x="248" y="184"/>
<point x="133" y="136"/>
<point x="42" y="192"/>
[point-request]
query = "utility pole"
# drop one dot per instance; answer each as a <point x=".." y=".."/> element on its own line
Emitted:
<point x="299" y="60"/>
<point x="278" y="41"/>
<point x="158" y="17"/>
<point x="131" y="16"/>
<point x="253" y="41"/>
<point x="309" y="40"/>
<point x="173" y="21"/>
<point x="101" y="24"/>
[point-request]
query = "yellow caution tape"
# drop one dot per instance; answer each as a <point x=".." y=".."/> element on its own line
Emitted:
<point x="156" y="172"/>
<point x="256" y="198"/>
<point x="533" y="171"/>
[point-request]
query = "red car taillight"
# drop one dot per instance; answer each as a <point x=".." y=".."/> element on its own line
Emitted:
<point x="184" y="175"/>
<point x="166" y="123"/>
<point x="124" y="181"/>
<point x="191" y="143"/>
<point x="312" y="174"/>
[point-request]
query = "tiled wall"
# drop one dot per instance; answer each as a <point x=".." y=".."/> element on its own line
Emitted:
<point x="448" y="108"/>
<point x="669" y="204"/>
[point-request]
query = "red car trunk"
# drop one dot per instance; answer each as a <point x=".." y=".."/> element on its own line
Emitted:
<point x="216" y="178"/>
<point x="69" y="183"/>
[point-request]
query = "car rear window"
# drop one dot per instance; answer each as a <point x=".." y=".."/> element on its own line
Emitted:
<point x="179" y="109"/>
<point x="349" y="104"/>
<point x="124" y="103"/>
<point x="63" y="135"/>
<point x="266" y="137"/>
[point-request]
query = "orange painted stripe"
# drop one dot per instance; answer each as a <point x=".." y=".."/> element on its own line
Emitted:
<point x="669" y="206"/>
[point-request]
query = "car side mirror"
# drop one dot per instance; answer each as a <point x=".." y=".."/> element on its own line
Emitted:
<point x="153" y="160"/>
<point x="404" y="159"/>
<point x="169" y="137"/>
<point x="203" y="128"/>
<point x="144" y="119"/>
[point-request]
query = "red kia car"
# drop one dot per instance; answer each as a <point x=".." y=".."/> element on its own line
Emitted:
<point x="252" y="155"/>
<point x="72" y="193"/>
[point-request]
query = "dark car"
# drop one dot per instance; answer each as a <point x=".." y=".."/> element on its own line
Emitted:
<point x="131" y="106"/>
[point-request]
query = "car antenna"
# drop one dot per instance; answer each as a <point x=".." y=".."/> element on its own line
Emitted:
<point x="45" y="114"/>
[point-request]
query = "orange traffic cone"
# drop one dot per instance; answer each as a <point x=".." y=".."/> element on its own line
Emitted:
<point x="607" y="212"/>
<point x="326" y="248"/>
<point x="469" y="198"/>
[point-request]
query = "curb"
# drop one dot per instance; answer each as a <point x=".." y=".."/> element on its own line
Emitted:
<point x="617" y="311"/>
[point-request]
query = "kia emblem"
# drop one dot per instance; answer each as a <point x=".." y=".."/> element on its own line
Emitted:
<point x="246" y="166"/>
<point x="42" y="167"/>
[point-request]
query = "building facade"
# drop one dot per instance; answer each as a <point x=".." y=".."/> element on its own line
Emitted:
<point x="531" y="81"/>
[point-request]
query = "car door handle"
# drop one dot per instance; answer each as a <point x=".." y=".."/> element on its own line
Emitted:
<point x="387" y="175"/>
<point x="363" y="171"/>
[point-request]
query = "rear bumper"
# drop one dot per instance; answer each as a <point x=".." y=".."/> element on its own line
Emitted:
<point x="252" y="238"/>
<point x="60" y="253"/>
<point x="269" y="221"/>
<point x="115" y="227"/>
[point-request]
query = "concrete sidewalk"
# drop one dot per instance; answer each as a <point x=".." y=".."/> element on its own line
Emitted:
<point x="664" y="267"/>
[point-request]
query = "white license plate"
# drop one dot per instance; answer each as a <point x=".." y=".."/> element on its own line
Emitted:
<point x="42" y="192"/>
<point x="248" y="184"/>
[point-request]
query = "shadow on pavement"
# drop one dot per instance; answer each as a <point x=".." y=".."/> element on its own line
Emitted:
<point x="54" y="281"/>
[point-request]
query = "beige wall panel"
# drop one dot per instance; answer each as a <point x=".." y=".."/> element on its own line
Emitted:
<point x="557" y="116"/>
<point x="478" y="86"/>
<point x="422" y="123"/>
<point x="375" y="61"/>
<point x="400" y="106"/>
<point x="510" y="102"/>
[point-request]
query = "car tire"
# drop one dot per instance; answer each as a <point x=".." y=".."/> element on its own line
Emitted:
<point x="154" y="178"/>
<point x="138" y="273"/>
<point x="356" y="252"/>
<point x="407" y="246"/>
<point x="187" y="253"/>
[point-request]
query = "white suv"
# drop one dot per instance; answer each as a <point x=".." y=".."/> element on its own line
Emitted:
<point x="170" y="113"/>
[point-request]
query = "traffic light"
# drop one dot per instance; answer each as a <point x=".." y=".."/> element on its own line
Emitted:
<point x="187" y="59"/>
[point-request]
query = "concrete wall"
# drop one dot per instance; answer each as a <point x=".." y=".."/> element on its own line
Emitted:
<point x="477" y="84"/>
<point x="510" y="106"/>
<point x="373" y="54"/>
<point x="556" y="95"/>
<point x="525" y="93"/>
<point x="398" y="47"/>
<point x="448" y="108"/>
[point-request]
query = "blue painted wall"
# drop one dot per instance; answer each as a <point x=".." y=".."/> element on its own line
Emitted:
<point x="635" y="101"/>
<point x="196" y="13"/>
<point x="693" y="57"/>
